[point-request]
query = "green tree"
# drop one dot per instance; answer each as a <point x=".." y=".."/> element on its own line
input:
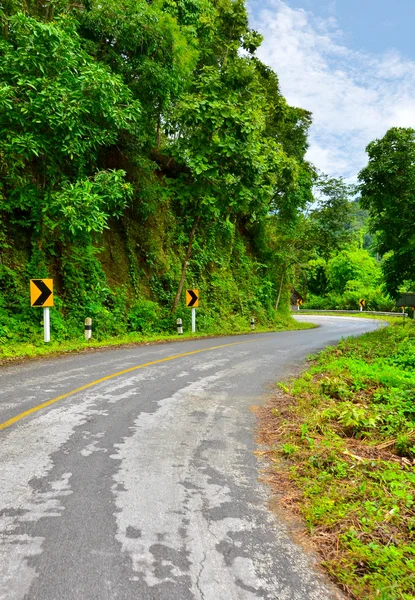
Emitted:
<point x="229" y="167"/>
<point x="330" y="216"/>
<point x="59" y="109"/>
<point x="387" y="187"/>
<point x="157" y="113"/>
<point x="352" y="266"/>
<point x="146" y="46"/>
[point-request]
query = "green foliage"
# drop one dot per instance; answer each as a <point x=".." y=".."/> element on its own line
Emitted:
<point x="352" y="268"/>
<point x="144" y="317"/>
<point x="352" y="420"/>
<point x="230" y="167"/>
<point x="59" y="109"/>
<point x="386" y="187"/>
<point x="404" y="357"/>
<point x="87" y="205"/>
<point x="143" y="43"/>
<point x="330" y="221"/>
<point x="341" y="281"/>
<point x="149" y="113"/>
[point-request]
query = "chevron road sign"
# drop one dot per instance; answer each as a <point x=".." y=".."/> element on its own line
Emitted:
<point x="192" y="298"/>
<point x="41" y="292"/>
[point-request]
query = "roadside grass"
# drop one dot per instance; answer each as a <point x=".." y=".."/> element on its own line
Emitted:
<point x="342" y="442"/>
<point x="23" y="350"/>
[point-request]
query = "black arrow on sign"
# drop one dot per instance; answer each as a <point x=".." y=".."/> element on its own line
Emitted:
<point x="45" y="292"/>
<point x="194" y="298"/>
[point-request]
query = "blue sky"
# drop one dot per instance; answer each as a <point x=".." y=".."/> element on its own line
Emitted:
<point x="350" y="62"/>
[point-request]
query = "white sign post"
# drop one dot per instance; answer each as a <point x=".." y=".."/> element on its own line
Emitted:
<point x="193" y="320"/>
<point x="46" y="324"/>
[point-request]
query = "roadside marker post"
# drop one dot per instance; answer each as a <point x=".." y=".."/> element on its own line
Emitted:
<point x="252" y="323"/>
<point x="179" y="323"/>
<point x="41" y="295"/>
<point x="192" y="301"/>
<point x="88" y="328"/>
<point x="46" y="325"/>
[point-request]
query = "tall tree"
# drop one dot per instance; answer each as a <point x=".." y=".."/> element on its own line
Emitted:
<point x="58" y="110"/>
<point x="229" y="168"/>
<point x="387" y="187"/>
<point x="331" y="213"/>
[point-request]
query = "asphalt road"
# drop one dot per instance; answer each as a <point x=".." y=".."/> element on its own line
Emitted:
<point x="144" y="485"/>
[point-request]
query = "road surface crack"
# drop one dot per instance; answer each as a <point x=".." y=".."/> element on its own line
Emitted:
<point x="202" y="566"/>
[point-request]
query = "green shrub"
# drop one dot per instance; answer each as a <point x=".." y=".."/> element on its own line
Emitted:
<point x="144" y="317"/>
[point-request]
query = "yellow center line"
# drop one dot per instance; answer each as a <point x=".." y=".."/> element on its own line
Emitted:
<point x="39" y="407"/>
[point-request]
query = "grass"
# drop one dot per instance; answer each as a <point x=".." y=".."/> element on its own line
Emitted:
<point x="37" y="348"/>
<point x="342" y="438"/>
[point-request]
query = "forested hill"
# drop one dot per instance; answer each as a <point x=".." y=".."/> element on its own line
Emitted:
<point x="143" y="148"/>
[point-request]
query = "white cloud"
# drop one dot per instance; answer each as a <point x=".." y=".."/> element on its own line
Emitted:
<point x="355" y="97"/>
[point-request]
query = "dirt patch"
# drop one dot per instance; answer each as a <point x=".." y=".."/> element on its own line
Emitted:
<point x="275" y="419"/>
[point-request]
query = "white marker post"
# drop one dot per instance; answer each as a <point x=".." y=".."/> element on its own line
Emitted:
<point x="46" y="324"/>
<point x="193" y="320"/>
<point x="88" y="328"/>
<point x="179" y="324"/>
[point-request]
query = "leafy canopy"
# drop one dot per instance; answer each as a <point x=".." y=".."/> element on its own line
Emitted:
<point x="58" y="109"/>
<point x="387" y="187"/>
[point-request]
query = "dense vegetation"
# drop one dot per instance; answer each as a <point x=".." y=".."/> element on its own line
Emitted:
<point x="343" y="438"/>
<point x="143" y="147"/>
<point x="387" y="188"/>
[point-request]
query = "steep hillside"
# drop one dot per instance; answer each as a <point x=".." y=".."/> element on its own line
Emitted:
<point x="144" y="149"/>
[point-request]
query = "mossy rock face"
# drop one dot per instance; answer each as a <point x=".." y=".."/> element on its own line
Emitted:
<point x="113" y="256"/>
<point x="132" y="265"/>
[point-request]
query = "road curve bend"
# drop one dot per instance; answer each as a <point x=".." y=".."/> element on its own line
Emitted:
<point x="129" y="474"/>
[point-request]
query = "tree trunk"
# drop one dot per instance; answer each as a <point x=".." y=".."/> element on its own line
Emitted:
<point x="185" y="264"/>
<point x="280" y="290"/>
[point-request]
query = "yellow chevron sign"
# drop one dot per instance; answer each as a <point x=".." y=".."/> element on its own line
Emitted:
<point x="192" y="298"/>
<point x="41" y="292"/>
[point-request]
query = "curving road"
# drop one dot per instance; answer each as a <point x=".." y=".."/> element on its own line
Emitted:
<point x="142" y="483"/>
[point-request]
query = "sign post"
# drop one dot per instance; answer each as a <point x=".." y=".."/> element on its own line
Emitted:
<point x="192" y="301"/>
<point x="41" y="295"/>
<point x="299" y="303"/>
<point x="361" y="304"/>
<point x="46" y="324"/>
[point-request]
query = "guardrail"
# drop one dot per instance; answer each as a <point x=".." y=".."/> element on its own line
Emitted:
<point x="357" y="312"/>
